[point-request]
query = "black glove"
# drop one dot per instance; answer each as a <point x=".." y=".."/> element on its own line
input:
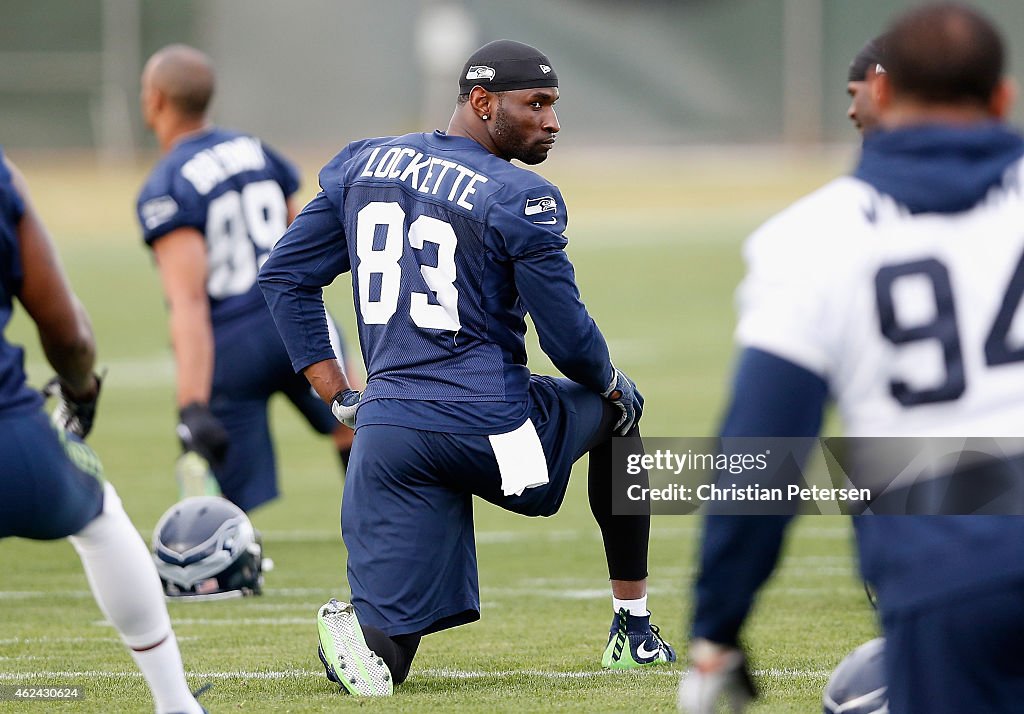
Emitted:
<point x="200" y="431"/>
<point x="73" y="414"/>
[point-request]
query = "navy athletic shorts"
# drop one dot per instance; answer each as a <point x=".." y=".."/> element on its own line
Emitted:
<point x="50" y="487"/>
<point x="407" y="512"/>
<point x="251" y="365"/>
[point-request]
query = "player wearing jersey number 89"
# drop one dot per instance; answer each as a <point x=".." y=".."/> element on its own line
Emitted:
<point x="897" y="292"/>
<point x="450" y="245"/>
<point x="211" y="211"/>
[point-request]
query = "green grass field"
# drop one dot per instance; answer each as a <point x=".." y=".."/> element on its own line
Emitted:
<point x="657" y="261"/>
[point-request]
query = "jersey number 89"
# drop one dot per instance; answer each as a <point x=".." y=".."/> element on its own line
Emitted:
<point x="237" y="225"/>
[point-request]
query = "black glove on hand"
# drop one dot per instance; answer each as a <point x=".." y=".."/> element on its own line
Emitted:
<point x="73" y="414"/>
<point x="200" y="431"/>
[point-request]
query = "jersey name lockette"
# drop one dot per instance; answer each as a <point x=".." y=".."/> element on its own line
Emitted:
<point x="424" y="173"/>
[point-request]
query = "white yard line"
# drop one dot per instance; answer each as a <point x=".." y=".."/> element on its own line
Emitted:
<point x="85" y="594"/>
<point x="442" y="673"/>
<point x="534" y="587"/>
<point x="231" y="622"/>
<point x="99" y="674"/>
<point x="67" y="640"/>
<point x="447" y="673"/>
<point x="33" y="594"/>
<point x="298" y="592"/>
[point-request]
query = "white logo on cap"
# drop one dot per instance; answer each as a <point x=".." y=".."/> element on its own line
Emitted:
<point x="544" y="68"/>
<point x="480" y="71"/>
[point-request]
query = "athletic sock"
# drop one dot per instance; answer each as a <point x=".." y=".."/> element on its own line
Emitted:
<point x="161" y="666"/>
<point x="636" y="607"/>
<point x="127" y="589"/>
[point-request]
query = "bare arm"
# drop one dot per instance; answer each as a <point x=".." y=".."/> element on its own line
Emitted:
<point x="181" y="259"/>
<point x="64" y="327"/>
<point x="327" y="378"/>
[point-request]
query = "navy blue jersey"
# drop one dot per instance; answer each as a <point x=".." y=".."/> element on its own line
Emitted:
<point x="15" y="394"/>
<point x="450" y="247"/>
<point x="232" y="189"/>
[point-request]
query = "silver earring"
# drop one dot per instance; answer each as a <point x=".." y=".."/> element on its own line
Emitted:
<point x="485" y="117"/>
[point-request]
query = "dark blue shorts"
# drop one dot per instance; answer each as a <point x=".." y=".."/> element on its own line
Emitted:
<point x="251" y="365"/>
<point x="407" y="513"/>
<point x="44" y="494"/>
<point x="958" y="655"/>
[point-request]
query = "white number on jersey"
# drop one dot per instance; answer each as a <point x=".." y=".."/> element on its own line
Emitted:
<point x="237" y="225"/>
<point x="380" y="267"/>
<point x="943" y="327"/>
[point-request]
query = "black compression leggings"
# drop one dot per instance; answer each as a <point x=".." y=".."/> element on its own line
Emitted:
<point x="625" y="537"/>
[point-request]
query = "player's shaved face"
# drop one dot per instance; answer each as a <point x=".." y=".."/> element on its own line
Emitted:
<point x="525" y="124"/>
<point x="862" y="110"/>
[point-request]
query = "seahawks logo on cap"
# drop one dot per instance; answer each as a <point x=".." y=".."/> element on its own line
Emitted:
<point x="480" y="71"/>
<point x="540" y="205"/>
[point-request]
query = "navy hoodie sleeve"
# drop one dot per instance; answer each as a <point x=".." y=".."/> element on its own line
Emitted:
<point x="771" y="397"/>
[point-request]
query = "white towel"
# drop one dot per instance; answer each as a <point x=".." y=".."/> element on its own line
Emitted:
<point x="520" y="459"/>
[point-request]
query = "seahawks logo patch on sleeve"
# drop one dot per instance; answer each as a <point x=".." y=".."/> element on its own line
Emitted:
<point x="540" y="205"/>
<point x="156" y="211"/>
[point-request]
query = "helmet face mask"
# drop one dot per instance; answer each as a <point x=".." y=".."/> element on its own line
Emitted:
<point x="206" y="548"/>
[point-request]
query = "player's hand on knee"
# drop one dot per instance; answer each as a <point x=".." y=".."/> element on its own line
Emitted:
<point x="344" y="405"/>
<point x="202" y="432"/>
<point x="622" y="392"/>
<point x="75" y="412"/>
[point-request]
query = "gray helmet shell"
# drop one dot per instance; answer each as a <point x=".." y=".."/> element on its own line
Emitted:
<point x="858" y="684"/>
<point x="207" y="547"/>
